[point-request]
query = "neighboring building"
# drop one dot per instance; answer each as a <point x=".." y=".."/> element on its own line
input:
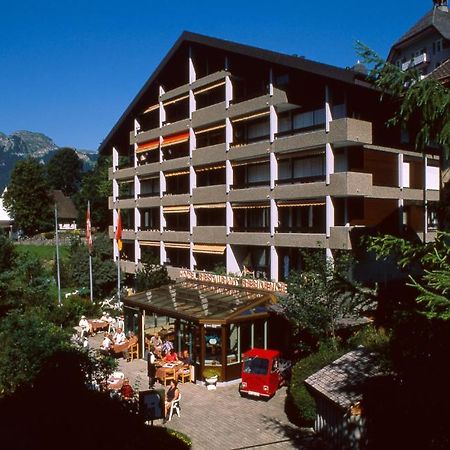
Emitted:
<point x="339" y="392"/>
<point x="427" y="44"/>
<point x="6" y="221"/>
<point x="235" y="158"/>
<point x="67" y="212"/>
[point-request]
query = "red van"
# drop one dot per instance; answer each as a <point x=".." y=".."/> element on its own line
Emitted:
<point x="261" y="375"/>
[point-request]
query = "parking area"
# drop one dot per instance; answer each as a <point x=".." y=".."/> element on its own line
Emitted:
<point x="222" y="420"/>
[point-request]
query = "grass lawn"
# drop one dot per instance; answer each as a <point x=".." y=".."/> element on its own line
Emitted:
<point x="45" y="252"/>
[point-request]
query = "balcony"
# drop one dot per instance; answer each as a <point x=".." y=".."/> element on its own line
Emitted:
<point x="175" y="164"/>
<point x="416" y="61"/>
<point x="303" y="240"/>
<point x="248" y="238"/>
<point x="209" y="194"/>
<point x="148" y="169"/>
<point x="175" y="236"/>
<point x="340" y="238"/>
<point x="252" y="150"/>
<point x="148" y="235"/>
<point x="210" y="114"/>
<point x="121" y="174"/>
<point x="127" y="266"/>
<point x="148" y="202"/>
<point x="209" y="155"/>
<point x="210" y="234"/>
<point x="344" y="184"/>
<point x="250" y="195"/>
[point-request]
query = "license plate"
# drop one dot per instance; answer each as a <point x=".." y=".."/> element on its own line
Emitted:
<point x="257" y="394"/>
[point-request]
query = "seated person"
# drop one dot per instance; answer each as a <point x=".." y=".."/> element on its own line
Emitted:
<point x="85" y="326"/>
<point x="171" y="356"/>
<point x="119" y="337"/>
<point x="105" y="346"/>
<point x="185" y="357"/>
<point x="156" y="344"/>
<point x="126" y="391"/>
<point x="172" y="394"/>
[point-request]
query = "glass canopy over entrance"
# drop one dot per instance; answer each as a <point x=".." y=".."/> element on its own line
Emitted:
<point x="204" y="302"/>
<point x="216" y="323"/>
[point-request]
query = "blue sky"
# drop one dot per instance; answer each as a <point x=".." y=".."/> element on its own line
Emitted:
<point x="69" y="68"/>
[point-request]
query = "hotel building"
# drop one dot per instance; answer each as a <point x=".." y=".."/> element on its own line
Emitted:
<point x="234" y="158"/>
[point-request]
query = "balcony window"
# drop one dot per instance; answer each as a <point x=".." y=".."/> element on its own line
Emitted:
<point x="126" y="190"/>
<point x="176" y="221"/>
<point x="210" y="262"/>
<point x="210" y="175"/>
<point x="210" y="216"/>
<point x="256" y="260"/>
<point x="210" y="95"/>
<point x="177" y="183"/>
<point x="176" y="109"/>
<point x="177" y="256"/>
<point x="127" y="253"/>
<point x="251" y="175"/>
<point x="212" y="135"/>
<point x="250" y="131"/>
<point x="301" y="170"/>
<point x="150" y="219"/>
<point x="301" y="217"/>
<point x="149" y="187"/>
<point x="252" y="217"/>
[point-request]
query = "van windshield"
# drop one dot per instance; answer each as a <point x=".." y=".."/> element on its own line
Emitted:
<point x="255" y="365"/>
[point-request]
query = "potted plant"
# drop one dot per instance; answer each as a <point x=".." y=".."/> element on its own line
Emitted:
<point x="211" y="376"/>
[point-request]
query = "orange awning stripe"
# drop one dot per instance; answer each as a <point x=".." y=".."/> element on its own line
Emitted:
<point x="146" y="146"/>
<point x="175" y="139"/>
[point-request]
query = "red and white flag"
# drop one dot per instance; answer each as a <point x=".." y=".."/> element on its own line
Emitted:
<point x="88" y="228"/>
<point x="118" y="235"/>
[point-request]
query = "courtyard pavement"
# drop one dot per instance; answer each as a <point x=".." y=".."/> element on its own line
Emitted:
<point x="222" y="420"/>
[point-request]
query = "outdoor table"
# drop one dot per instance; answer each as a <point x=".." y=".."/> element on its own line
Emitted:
<point x="98" y="325"/>
<point x="161" y="370"/>
<point x="114" y="384"/>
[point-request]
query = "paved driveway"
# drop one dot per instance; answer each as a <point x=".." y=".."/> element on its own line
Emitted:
<point x="223" y="420"/>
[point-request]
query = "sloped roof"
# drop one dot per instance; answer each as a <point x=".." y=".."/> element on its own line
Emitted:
<point x="345" y="75"/>
<point x="441" y="73"/>
<point x="66" y="207"/>
<point x="343" y="380"/>
<point x="436" y="18"/>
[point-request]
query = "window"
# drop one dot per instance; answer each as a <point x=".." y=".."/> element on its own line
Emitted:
<point x="437" y="46"/>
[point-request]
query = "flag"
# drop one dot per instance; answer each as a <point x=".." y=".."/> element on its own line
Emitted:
<point x="118" y="236"/>
<point x="88" y="228"/>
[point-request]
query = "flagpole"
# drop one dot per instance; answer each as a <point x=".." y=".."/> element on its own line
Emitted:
<point x="90" y="256"/>
<point x="57" y="255"/>
<point x="118" y="278"/>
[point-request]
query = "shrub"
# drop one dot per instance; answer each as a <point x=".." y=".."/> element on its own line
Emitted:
<point x="49" y="234"/>
<point x="209" y="372"/>
<point x="300" y="405"/>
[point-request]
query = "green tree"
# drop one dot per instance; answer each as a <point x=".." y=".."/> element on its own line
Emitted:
<point x="423" y="103"/>
<point x="27" y="198"/>
<point x="151" y="275"/>
<point x="27" y="340"/>
<point x="103" y="268"/>
<point x="7" y="253"/>
<point x="96" y="188"/>
<point x="64" y="171"/>
<point x="322" y="295"/>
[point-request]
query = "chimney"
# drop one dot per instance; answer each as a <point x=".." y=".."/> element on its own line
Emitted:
<point x="441" y="5"/>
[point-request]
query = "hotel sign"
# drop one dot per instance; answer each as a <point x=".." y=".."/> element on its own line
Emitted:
<point x="250" y="283"/>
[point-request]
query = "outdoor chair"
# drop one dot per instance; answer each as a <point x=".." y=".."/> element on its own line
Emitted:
<point x="133" y="351"/>
<point x="169" y="375"/>
<point x="184" y="373"/>
<point x="175" y="407"/>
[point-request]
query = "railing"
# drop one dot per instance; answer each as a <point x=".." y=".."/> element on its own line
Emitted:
<point x="297" y="180"/>
<point x="413" y="62"/>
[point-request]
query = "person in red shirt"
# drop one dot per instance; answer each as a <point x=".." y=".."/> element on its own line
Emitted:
<point x="126" y="391"/>
<point x="171" y="356"/>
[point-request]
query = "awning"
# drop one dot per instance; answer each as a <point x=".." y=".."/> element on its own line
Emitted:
<point x="207" y="130"/>
<point x="147" y="146"/>
<point x="175" y="100"/>
<point x="297" y="204"/>
<point x="175" y="209"/>
<point x="175" y="139"/>
<point x="204" y="169"/>
<point x="151" y="108"/>
<point x="176" y="245"/>
<point x="210" y="206"/>
<point x="149" y="243"/>
<point x="251" y="116"/>
<point x="209" y="249"/>
<point x="249" y="162"/>
<point x="208" y="88"/>
<point x="175" y="174"/>
<point x="251" y="206"/>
